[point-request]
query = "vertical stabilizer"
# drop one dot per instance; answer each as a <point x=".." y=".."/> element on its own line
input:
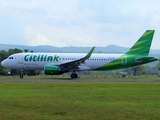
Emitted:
<point x="142" y="46"/>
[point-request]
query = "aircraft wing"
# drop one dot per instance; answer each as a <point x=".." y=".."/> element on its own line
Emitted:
<point x="74" y="64"/>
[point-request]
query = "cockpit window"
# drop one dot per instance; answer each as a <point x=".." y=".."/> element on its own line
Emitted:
<point x="10" y="58"/>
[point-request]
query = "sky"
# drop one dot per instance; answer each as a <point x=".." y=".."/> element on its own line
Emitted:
<point x="81" y="23"/>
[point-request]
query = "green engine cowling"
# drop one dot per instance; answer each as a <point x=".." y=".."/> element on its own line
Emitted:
<point x="52" y="70"/>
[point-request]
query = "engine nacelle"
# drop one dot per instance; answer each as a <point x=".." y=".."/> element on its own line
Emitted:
<point x="52" y="70"/>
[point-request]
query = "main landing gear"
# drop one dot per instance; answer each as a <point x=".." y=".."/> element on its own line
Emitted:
<point x="74" y="75"/>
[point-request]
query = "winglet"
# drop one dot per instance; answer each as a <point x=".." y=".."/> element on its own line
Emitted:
<point x="90" y="53"/>
<point x="79" y="61"/>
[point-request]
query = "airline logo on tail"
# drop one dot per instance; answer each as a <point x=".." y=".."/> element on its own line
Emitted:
<point x="142" y="46"/>
<point x="138" y="54"/>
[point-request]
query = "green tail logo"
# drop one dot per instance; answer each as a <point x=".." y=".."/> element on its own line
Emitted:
<point x="142" y="46"/>
<point x="136" y="55"/>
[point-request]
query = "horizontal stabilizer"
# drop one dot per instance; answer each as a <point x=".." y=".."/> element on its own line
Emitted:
<point x="144" y="59"/>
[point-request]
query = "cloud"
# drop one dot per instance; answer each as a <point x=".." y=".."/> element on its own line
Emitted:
<point x="78" y="22"/>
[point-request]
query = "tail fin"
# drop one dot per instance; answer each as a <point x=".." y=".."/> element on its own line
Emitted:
<point x="142" y="46"/>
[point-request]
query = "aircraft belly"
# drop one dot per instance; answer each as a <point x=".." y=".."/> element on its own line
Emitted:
<point x="94" y="65"/>
<point x="83" y="67"/>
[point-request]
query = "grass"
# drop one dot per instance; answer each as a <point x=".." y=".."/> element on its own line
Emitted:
<point x="85" y="76"/>
<point x="79" y="100"/>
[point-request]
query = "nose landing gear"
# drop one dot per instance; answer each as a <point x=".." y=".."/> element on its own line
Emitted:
<point x="21" y="74"/>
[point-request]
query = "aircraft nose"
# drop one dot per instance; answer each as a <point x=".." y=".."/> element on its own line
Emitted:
<point x="4" y="63"/>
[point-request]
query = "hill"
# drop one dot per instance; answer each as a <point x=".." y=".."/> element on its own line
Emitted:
<point x="49" y="48"/>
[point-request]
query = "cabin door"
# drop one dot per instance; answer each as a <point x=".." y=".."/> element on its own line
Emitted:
<point x="20" y="59"/>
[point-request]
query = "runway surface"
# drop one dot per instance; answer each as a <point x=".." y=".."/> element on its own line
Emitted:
<point x="9" y="79"/>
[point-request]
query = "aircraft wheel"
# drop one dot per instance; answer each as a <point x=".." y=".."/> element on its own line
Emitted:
<point x="21" y="76"/>
<point x="74" y="75"/>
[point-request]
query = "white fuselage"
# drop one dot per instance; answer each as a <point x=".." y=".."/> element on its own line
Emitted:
<point x="37" y="61"/>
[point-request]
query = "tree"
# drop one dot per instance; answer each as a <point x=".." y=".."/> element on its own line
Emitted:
<point x="3" y="55"/>
<point x="139" y="68"/>
<point x="16" y="50"/>
<point x="25" y="50"/>
<point x="13" y="51"/>
<point x="158" y="66"/>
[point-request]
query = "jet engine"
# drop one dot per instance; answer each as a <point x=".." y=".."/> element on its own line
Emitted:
<point x="52" y="70"/>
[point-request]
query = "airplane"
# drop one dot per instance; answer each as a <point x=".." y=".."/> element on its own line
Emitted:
<point x="59" y="63"/>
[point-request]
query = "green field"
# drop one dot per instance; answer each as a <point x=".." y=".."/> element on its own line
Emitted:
<point x="79" y="100"/>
